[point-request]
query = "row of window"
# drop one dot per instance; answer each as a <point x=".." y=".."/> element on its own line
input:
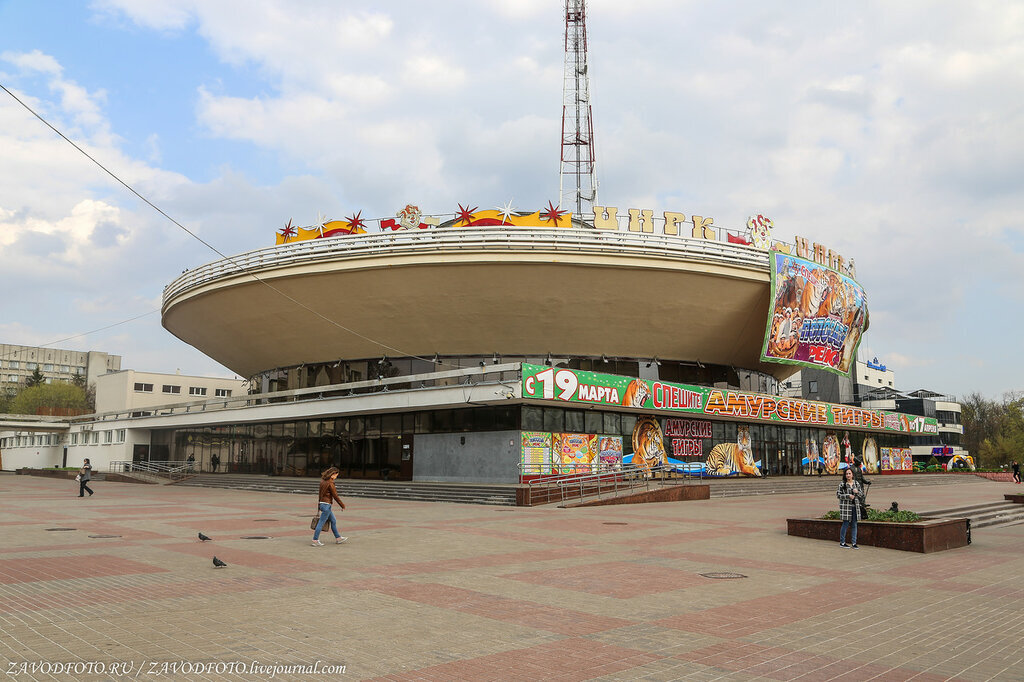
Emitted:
<point x="14" y="379"/>
<point x="79" y="438"/>
<point x="173" y="389"/>
<point x="46" y="367"/>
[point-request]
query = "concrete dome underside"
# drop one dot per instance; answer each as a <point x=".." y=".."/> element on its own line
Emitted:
<point x="513" y="304"/>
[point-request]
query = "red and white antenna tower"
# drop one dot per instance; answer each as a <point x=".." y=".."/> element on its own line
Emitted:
<point x="577" y="187"/>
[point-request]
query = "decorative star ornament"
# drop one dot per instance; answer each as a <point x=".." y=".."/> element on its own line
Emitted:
<point x="356" y="222"/>
<point x="465" y="214"/>
<point x="288" y="231"/>
<point x="320" y="220"/>
<point x="553" y="214"/>
<point x="505" y="212"/>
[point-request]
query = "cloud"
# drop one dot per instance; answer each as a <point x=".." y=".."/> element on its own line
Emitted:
<point x="889" y="133"/>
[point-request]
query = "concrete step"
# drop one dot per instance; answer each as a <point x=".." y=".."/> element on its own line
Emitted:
<point x="465" y="493"/>
<point x="985" y="515"/>
<point x="968" y="510"/>
<point x="782" y="485"/>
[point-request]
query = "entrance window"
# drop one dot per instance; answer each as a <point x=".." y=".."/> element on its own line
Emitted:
<point x="553" y="420"/>
<point x="391" y="425"/>
<point x="628" y="424"/>
<point x="533" y="419"/>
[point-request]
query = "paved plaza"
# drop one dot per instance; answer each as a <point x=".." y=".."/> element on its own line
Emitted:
<point x="435" y="591"/>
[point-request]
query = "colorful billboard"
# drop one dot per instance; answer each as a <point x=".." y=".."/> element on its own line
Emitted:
<point x="896" y="460"/>
<point x="609" y="450"/>
<point x="576" y="453"/>
<point x="576" y="386"/>
<point x="536" y="453"/>
<point x="817" y="315"/>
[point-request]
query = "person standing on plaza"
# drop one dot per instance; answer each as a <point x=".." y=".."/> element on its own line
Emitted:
<point x="191" y="462"/>
<point x="328" y="496"/>
<point x="84" y="476"/>
<point x="214" y="462"/>
<point x="858" y="475"/>
<point x="1016" y="472"/>
<point x="850" y="494"/>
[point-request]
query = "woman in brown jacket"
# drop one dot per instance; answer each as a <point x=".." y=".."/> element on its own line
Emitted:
<point x="328" y="495"/>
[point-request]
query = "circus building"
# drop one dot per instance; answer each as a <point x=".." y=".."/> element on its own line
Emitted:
<point x="497" y="345"/>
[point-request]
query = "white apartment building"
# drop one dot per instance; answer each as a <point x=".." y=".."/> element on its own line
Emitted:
<point x="17" y="363"/>
<point x="122" y="398"/>
<point x="140" y="392"/>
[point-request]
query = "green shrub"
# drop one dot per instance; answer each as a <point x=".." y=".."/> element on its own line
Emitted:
<point x="887" y="516"/>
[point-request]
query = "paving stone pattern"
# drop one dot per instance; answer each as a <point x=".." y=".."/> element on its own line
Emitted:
<point x="441" y="591"/>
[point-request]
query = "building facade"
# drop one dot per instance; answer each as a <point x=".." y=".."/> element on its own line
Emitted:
<point x="18" y="363"/>
<point x="140" y="393"/>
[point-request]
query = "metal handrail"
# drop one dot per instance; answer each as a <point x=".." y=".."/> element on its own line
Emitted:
<point x="155" y="466"/>
<point x="626" y="478"/>
<point x="481" y="376"/>
<point x="463" y="239"/>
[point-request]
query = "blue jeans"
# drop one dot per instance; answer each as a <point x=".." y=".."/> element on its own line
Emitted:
<point x="327" y="513"/>
<point x="847" y="524"/>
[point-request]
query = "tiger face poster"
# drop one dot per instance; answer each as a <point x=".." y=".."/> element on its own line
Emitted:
<point x="817" y="315"/>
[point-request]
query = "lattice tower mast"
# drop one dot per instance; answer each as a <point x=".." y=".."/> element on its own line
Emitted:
<point x="577" y="186"/>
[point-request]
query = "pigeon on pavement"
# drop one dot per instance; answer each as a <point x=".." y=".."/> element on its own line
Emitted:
<point x="204" y="538"/>
<point x="217" y="563"/>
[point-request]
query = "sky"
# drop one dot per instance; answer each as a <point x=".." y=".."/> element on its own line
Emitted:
<point x="891" y="132"/>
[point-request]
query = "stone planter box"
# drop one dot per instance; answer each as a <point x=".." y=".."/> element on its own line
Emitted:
<point x="926" y="536"/>
<point x="1016" y="499"/>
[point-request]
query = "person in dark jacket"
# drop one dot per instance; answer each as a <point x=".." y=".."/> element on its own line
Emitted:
<point x="850" y="494"/>
<point x="84" y="476"/>
<point x="858" y="475"/>
<point x="328" y="495"/>
<point x="1016" y="471"/>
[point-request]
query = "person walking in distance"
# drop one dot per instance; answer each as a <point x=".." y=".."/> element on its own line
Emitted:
<point x="1016" y="472"/>
<point x="84" y="476"/>
<point x="328" y="496"/>
<point x="850" y="494"/>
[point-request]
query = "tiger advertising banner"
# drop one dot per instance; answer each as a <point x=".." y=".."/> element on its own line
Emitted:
<point x="577" y="386"/>
<point x="817" y="315"/>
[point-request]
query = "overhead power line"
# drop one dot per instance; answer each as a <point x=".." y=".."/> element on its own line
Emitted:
<point x="383" y="346"/>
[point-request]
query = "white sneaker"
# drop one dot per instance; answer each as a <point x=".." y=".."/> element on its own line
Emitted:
<point x="317" y="543"/>
<point x="340" y="540"/>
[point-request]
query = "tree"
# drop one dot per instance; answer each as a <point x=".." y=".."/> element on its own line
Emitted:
<point x="1007" y="444"/>
<point x="35" y="379"/>
<point x="982" y="419"/>
<point x="6" y="396"/>
<point x="49" y="399"/>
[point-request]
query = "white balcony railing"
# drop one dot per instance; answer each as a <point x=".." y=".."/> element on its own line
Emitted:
<point x="468" y="240"/>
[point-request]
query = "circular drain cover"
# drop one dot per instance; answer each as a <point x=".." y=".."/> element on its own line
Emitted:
<point x="61" y="529"/>
<point x="104" y="536"/>
<point x="255" y="537"/>
<point x="723" y="575"/>
<point x="615" y="523"/>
